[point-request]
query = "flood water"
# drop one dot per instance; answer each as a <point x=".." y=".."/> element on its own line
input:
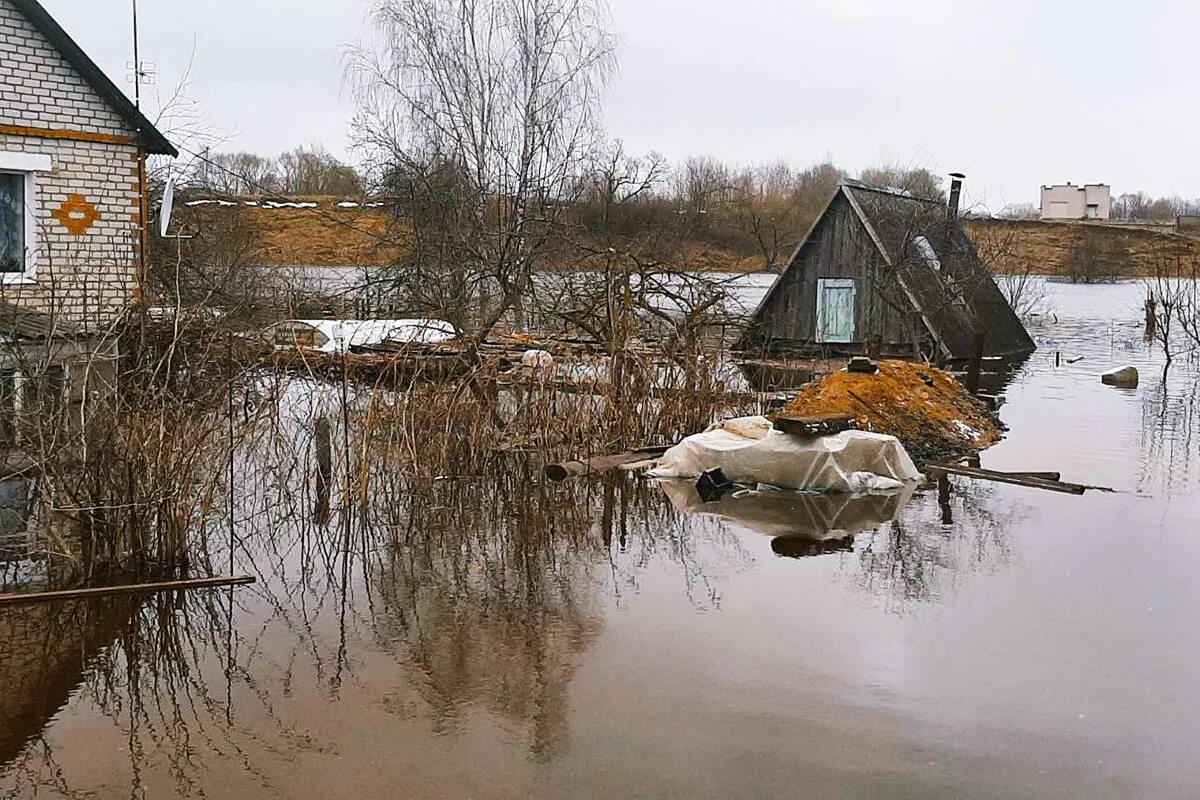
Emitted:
<point x="605" y="639"/>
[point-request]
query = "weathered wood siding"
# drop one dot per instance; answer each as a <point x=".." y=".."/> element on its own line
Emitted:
<point x="838" y="247"/>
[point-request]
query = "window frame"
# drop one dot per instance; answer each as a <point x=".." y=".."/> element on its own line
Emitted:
<point x="26" y="165"/>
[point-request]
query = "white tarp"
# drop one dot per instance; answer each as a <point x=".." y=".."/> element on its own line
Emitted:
<point x="339" y="335"/>
<point x="749" y="450"/>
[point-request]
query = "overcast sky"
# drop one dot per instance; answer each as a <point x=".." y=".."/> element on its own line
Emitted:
<point x="1015" y="93"/>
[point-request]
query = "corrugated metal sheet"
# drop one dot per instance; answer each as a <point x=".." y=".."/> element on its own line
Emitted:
<point x="17" y="322"/>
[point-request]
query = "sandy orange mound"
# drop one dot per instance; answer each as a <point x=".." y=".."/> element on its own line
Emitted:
<point x="924" y="407"/>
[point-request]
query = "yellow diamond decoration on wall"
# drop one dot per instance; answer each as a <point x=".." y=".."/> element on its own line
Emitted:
<point x="76" y="214"/>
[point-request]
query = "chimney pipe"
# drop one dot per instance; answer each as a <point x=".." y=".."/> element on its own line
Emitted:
<point x="956" y="179"/>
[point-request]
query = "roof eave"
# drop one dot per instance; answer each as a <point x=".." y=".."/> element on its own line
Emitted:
<point x="152" y="140"/>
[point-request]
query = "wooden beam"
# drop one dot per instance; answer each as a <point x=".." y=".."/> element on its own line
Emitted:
<point x="598" y="464"/>
<point x="132" y="588"/>
<point x="68" y="134"/>
<point x="1017" y="479"/>
<point x="814" y="425"/>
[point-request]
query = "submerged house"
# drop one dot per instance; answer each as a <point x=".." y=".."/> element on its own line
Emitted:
<point x="884" y="270"/>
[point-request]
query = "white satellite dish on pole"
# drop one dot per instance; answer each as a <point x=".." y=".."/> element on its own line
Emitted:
<point x="168" y="204"/>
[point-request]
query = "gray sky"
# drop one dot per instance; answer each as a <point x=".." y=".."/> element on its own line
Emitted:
<point x="1015" y="93"/>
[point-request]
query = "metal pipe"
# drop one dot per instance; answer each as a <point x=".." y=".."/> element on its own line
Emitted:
<point x="956" y="179"/>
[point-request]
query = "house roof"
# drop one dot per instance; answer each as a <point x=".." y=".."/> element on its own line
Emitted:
<point x="153" y="140"/>
<point x="17" y="322"/>
<point x="939" y="270"/>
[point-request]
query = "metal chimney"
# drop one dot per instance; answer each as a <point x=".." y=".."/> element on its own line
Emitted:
<point x="956" y="179"/>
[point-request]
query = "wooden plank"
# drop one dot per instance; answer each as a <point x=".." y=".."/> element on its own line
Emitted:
<point x="939" y="468"/>
<point x="132" y="588"/>
<point x="813" y="426"/>
<point x="1047" y="476"/>
<point x="31" y="132"/>
<point x="598" y="464"/>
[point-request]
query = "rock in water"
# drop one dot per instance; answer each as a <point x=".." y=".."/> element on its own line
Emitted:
<point x="1123" y="377"/>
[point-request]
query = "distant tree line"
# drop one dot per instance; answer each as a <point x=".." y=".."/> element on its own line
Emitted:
<point x="303" y="171"/>
<point x="1139" y="206"/>
<point x="756" y="210"/>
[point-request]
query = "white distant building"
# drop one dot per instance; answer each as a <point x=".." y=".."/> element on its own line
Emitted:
<point x="1090" y="201"/>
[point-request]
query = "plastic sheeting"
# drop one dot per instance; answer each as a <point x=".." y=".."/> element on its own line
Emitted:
<point x="749" y="450"/>
<point x="340" y="335"/>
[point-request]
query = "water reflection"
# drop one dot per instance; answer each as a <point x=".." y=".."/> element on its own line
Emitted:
<point x="416" y="608"/>
<point x="917" y="557"/>
<point x="45" y="651"/>
<point x="490" y="600"/>
<point x="1169" y="453"/>
<point x="785" y="513"/>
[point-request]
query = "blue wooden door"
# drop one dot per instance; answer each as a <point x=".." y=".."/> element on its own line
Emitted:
<point x="835" y="310"/>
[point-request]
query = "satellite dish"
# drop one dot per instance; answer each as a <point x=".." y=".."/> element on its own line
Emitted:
<point x="168" y="203"/>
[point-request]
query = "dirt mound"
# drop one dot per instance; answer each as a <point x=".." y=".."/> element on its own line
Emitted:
<point x="924" y="407"/>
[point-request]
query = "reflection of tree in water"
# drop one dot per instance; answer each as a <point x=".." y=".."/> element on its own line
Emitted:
<point x="640" y="526"/>
<point x="156" y="669"/>
<point x="1168" y="454"/>
<point x="486" y="589"/>
<point x="917" y="558"/>
<point x="490" y="588"/>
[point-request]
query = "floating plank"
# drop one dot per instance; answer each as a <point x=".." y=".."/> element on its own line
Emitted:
<point x="598" y="464"/>
<point x="1046" y="476"/>
<point x="130" y="588"/>
<point x="1017" y="479"/>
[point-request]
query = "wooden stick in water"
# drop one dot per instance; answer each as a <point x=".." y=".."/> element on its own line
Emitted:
<point x="132" y="588"/>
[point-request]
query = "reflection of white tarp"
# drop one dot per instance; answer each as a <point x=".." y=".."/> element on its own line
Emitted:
<point x="784" y="513"/>
<point x="749" y="450"/>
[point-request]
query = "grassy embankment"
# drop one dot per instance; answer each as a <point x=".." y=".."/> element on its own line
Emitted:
<point x="363" y="236"/>
<point x="1083" y="250"/>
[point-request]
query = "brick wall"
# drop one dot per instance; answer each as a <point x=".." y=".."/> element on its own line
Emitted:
<point x="88" y="276"/>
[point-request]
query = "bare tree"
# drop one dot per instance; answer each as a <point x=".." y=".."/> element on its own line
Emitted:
<point x="1016" y="275"/>
<point x="1173" y="303"/>
<point x="303" y="171"/>
<point x="918" y="181"/>
<point x="504" y="91"/>
<point x="314" y="171"/>
<point x="776" y="205"/>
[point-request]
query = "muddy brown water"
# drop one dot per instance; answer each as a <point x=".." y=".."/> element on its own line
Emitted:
<point x="611" y="639"/>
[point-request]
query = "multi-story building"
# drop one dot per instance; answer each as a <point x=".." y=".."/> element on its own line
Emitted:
<point x="1067" y="201"/>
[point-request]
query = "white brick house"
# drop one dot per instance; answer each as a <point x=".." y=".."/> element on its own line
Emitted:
<point x="71" y="147"/>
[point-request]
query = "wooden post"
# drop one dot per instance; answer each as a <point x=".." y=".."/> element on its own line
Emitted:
<point x="943" y="484"/>
<point x="874" y="347"/>
<point x="323" y="436"/>
<point x="976" y="363"/>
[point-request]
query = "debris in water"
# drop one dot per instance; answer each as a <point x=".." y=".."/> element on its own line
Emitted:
<point x="1121" y="377"/>
<point x="712" y="484"/>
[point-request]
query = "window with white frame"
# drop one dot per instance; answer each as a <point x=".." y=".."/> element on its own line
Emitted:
<point x="18" y="218"/>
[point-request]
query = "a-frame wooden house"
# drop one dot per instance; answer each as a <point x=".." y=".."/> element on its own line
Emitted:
<point x="882" y="267"/>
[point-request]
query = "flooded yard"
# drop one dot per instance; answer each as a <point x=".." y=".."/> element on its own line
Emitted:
<point x="498" y="636"/>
